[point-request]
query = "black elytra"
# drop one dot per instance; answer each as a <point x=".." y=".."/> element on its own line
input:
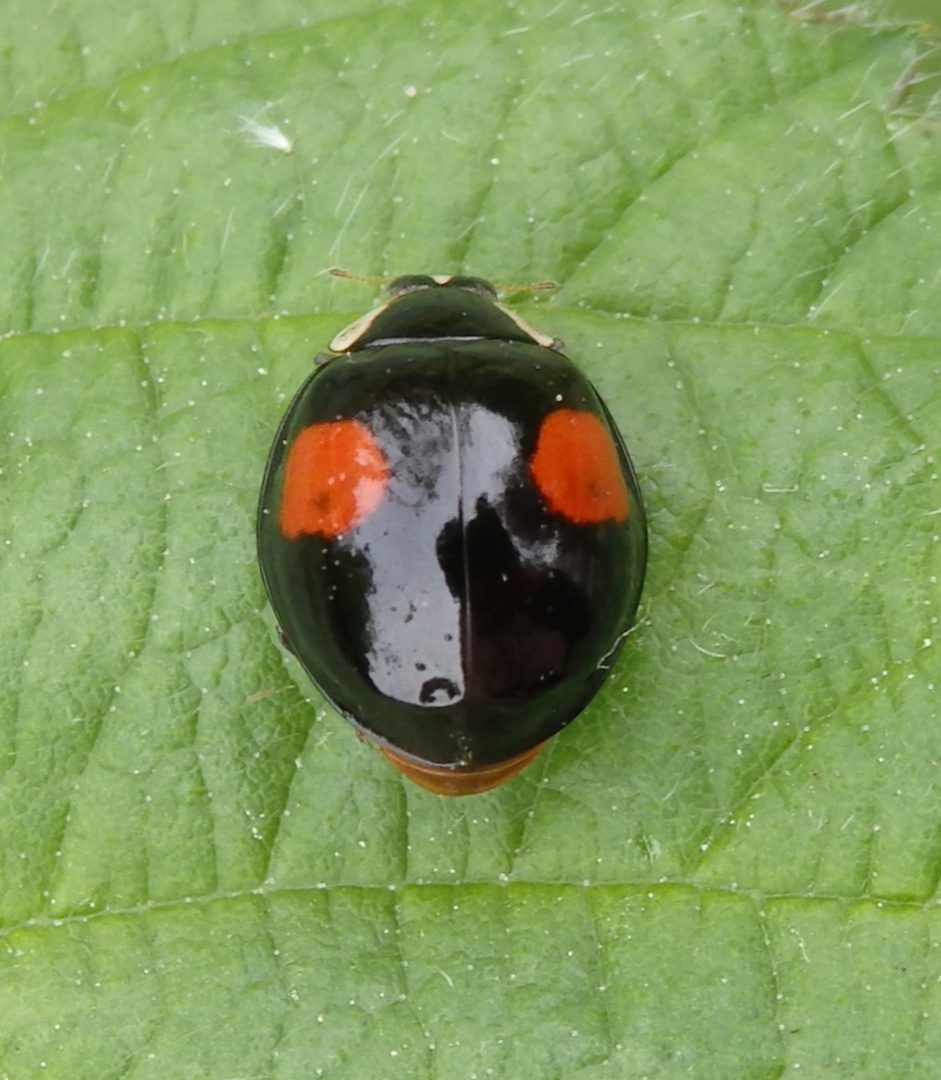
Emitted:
<point x="451" y="533"/>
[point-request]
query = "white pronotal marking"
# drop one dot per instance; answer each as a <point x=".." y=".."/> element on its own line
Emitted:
<point x="539" y="336"/>
<point x="349" y="335"/>
<point x="268" y="135"/>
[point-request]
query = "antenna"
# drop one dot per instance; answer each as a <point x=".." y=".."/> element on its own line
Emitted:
<point x="337" y="271"/>
<point x="536" y="286"/>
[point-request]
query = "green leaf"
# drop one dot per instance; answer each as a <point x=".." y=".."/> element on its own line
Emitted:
<point x="728" y="866"/>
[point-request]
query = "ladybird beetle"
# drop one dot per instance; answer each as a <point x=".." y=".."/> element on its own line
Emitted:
<point x="451" y="533"/>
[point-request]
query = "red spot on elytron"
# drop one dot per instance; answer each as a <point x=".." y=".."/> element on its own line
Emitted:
<point x="334" y="477"/>
<point x="577" y="468"/>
